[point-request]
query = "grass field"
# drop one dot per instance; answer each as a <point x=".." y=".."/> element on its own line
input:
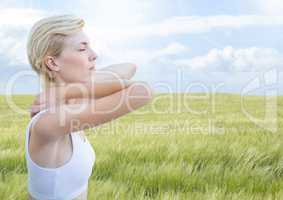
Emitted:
<point x="167" y="150"/>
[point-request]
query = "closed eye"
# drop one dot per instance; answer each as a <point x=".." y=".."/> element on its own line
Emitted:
<point x="82" y="49"/>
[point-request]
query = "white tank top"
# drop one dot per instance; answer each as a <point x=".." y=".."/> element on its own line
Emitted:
<point x="64" y="182"/>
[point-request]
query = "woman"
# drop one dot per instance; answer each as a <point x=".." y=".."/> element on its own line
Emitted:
<point x="75" y="97"/>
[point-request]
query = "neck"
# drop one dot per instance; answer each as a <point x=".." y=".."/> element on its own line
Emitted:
<point x="56" y="83"/>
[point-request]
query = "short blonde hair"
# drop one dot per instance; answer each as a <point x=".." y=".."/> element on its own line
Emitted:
<point x="46" y="37"/>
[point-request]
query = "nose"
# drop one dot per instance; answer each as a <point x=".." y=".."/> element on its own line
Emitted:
<point x="93" y="56"/>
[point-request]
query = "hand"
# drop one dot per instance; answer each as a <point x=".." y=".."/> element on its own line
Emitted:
<point x="50" y="97"/>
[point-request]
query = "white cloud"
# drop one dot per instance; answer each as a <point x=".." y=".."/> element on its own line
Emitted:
<point x="230" y="59"/>
<point x="172" y="49"/>
<point x="268" y="7"/>
<point x="185" y="25"/>
<point x="115" y="13"/>
<point x="141" y="55"/>
<point x="14" y="25"/>
<point x="19" y="16"/>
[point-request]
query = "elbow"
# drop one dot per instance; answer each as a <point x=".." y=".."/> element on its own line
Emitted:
<point x="134" y="68"/>
<point x="131" y="68"/>
<point x="141" y="93"/>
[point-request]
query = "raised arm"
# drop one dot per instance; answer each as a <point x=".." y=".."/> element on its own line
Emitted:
<point x="68" y="118"/>
<point x="94" y="90"/>
<point x="55" y="96"/>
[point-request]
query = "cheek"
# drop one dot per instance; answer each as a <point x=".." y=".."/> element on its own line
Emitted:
<point x="74" y="67"/>
<point x="78" y="61"/>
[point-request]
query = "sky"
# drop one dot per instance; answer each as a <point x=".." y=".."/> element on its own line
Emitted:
<point x="178" y="46"/>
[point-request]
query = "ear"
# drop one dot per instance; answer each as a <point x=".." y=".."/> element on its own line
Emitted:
<point x="51" y="63"/>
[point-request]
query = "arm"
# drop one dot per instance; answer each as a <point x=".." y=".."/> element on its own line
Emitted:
<point x="93" y="113"/>
<point x="55" y="96"/>
<point x="96" y="89"/>
<point x="123" y="71"/>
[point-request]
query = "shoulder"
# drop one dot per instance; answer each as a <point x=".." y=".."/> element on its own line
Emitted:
<point x="40" y="125"/>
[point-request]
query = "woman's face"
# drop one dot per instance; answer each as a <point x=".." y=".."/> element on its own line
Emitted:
<point x="77" y="61"/>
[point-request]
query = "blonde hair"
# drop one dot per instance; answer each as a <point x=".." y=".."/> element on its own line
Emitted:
<point x="46" y="37"/>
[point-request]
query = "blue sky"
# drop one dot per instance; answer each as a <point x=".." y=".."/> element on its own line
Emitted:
<point x="179" y="46"/>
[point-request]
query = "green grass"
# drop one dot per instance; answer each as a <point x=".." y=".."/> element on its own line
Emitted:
<point x="168" y="151"/>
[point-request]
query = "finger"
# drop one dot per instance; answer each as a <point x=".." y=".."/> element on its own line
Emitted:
<point x="40" y="99"/>
<point x="36" y="99"/>
<point x="33" y="111"/>
<point x="36" y="108"/>
<point x="39" y="107"/>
